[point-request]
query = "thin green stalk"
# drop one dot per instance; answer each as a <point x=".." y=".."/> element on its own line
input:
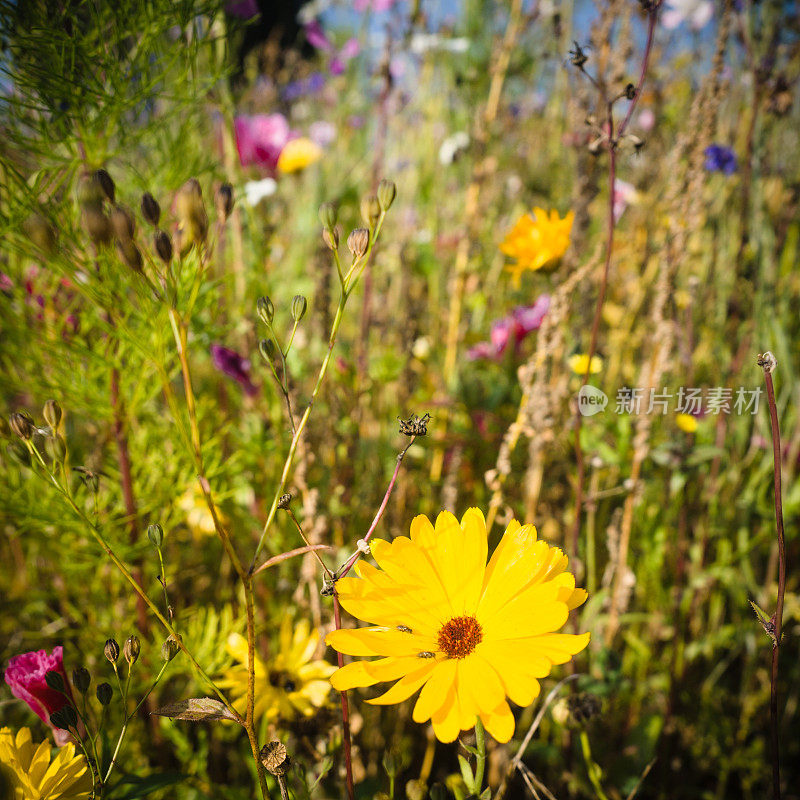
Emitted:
<point x="480" y="759"/>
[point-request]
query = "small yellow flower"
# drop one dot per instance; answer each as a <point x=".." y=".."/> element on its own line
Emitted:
<point x="537" y="239"/>
<point x="686" y="422"/>
<point x="198" y="518"/>
<point x="34" y="777"/>
<point x="290" y="684"/>
<point x="298" y="154"/>
<point x="580" y="362"/>
<point x="468" y="633"/>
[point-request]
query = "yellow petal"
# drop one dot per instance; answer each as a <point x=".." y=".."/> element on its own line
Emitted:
<point x="481" y="682"/>
<point x="500" y="722"/>
<point x="435" y="690"/>
<point x="380" y="641"/>
<point x="406" y="686"/>
<point x="447" y="718"/>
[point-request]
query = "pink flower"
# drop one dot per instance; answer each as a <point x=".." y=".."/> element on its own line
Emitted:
<point x="376" y="5"/>
<point x="512" y="328"/>
<point x="260" y="139"/>
<point x="230" y="363"/>
<point x="316" y="36"/>
<point x="625" y="194"/>
<point x="25" y="677"/>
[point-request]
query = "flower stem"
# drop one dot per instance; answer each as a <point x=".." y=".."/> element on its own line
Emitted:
<point x="480" y="760"/>
<point x="348" y="758"/>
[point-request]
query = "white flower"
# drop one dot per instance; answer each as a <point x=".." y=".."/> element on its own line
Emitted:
<point x="451" y="147"/>
<point x="256" y="191"/>
<point x="697" y="13"/>
<point x="423" y="42"/>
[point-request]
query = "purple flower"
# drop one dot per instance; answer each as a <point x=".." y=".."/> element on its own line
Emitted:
<point x="720" y="159"/>
<point x="244" y="9"/>
<point x="512" y="328"/>
<point x="25" y="677"/>
<point x="230" y="363"/>
<point x="316" y="36"/>
<point x="260" y="139"/>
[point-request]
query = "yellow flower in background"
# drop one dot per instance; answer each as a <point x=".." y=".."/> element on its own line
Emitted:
<point x="298" y="154"/>
<point x="579" y="363"/>
<point x="468" y="633"/>
<point x="686" y="422"/>
<point x="290" y="684"/>
<point x="537" y="239"/>
<point x="198" y="518"/>
<point x="34" y="777"/>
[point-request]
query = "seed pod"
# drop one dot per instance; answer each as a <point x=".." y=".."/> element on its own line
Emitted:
<point x="21" y="423"/>
<point x="265" y="310"/>
<point x="192" y="216"/>
<point x="151" y="210"/>
<point x="106" y="184"/>
<point x="268" y="350"/>
<point x="331" y="238"/>
<point x="275" y="758"/>
<point x="223" y="201"/>
<point x="65" y="718"/>
<point x="387" y="192"/>
<point x="123" y="223"/>
<point x="131" y="649"/>
<point x="155" y="533"/>
<point x="111" y="650"/>
<point x="54" y="680"/>
<point x="97" y="225"/>
<point x="358" y="242"/>
<point x="90" y="191"/>
<point x="327" y="216"/>
<point x="163" y="246"/>
<point x="40" y="232"/>
<point x="81" y="679"/>
<point x="52" y="414"/>
<point x="130" y="255"/>
<point x="104" y="693"/>
<point x="170" y="648"/>
<point x="370" y="210"/>
<point x="57" y="448"/>
<point x="299" y="306"/>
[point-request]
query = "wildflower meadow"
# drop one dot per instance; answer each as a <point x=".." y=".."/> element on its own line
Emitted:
<point x="400" y="399"/>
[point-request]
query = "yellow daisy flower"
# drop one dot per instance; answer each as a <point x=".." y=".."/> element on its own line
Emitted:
<point x="686" y="422"/>
<point x="468" y="633"/>
<point x="298" y="154"/>
<point x="34" y="777"/>
<point x="198" y="517"/>
<point x="290" y="684"/>
<point x="537" y="239"/>
<point x="580" y="362"/>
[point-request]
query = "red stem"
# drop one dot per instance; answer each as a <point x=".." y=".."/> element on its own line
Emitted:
<point x="348" y="758"/>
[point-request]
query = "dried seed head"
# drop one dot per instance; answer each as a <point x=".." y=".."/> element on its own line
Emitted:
<point x="275" y="758"/>
<point x="151" y="210"/>
<point x="299" y="306"/>
<point x="21" y="424"/>
<point x="155" y="533"/>
<point x="223" y="201"/>
<point x="265" y="310"/>
<point x="331" y="238"/>
<point x="106" y="183"/>
<point x="123" y="223"/>
<point x="111" y="650"/>
<point x="327" y="216"/>
<point x="52" y="414"/>
<point x="284" y="501"/>
<point x="131" y="649"/>
<point x="358" y="242"/>
<point x="582" y="707"/>
<point x="629" y="92"/>
<point x="387" y="192"/>
<point x="171" y="647"/>
<point x="104" y="693"/>
<point x="414" y="425"/>
<point x="163" y="246"/>
<point x="81" y="679"/>
<point x="370" y="210"/>
<point x="766" y="361"/>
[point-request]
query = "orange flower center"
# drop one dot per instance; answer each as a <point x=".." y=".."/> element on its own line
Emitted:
<point x="460" y="636"/>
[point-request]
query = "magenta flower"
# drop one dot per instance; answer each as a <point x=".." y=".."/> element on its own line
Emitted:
<point x="230" y="363"/>
<point x="260" y="139"/>
<point x="318" y="39"/>
<point x="244" y="9"/>
<point x="25" y="677"/>
<point x="511" y="329"/>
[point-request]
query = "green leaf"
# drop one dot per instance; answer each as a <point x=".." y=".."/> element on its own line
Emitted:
<point x="486" y="794"/>
<point x="202" y="709"/>
<point x="141" y="787"/>
<point x="466" y="773"/>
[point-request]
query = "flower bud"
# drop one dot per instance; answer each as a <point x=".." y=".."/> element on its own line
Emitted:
<point x="97" y="225"/>
<point x="299" y="306"/>
<point x="130" y="255"/>
<point x="90" y="191"/>
<point x="64" y="718"/>
<point x="266" y="310"/>
<point x="327" y="216"/>
<point x="40" y="232"/>
<point x="81" y="679"/>
<point x="163" y="246"/>
<point x="370" y="210"/>
<point x="387" y="192"/>
<point x="131" y="649"/>
<point x="20" y="453"/>
<point x="104" y="693"/>
<point x="123" y="223"/>
<point x="155" y="533"/>
<point x="54" y="680"/>
<point x="192" y="217"/>
<point x="223" y="201"/>
<point x="151" y="210"/>
<point x="170" y="648"/>
<point x="21" y="423"/>
<point x="331" y="238"/>
<point x="358" y="242"/>
<point x="52" y="414"/>
<point x="268" y="350"/>
<point x="111" y="650"/>
<point x="57" y="448"/>
<point x="416" y="790"/>
<point x="106" y="183"/>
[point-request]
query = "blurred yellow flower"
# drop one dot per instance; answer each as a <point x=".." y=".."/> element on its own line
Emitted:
<point x="468" y="633"/>
<point x="537" y="239"/>
<point x="298" y="154"/>
<point x="579" y="363"/>
<point x="34" y="777"/>
<point x="686" y="422"/>
<point x="290" y="683"/>
<point x="198" y="518"/>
